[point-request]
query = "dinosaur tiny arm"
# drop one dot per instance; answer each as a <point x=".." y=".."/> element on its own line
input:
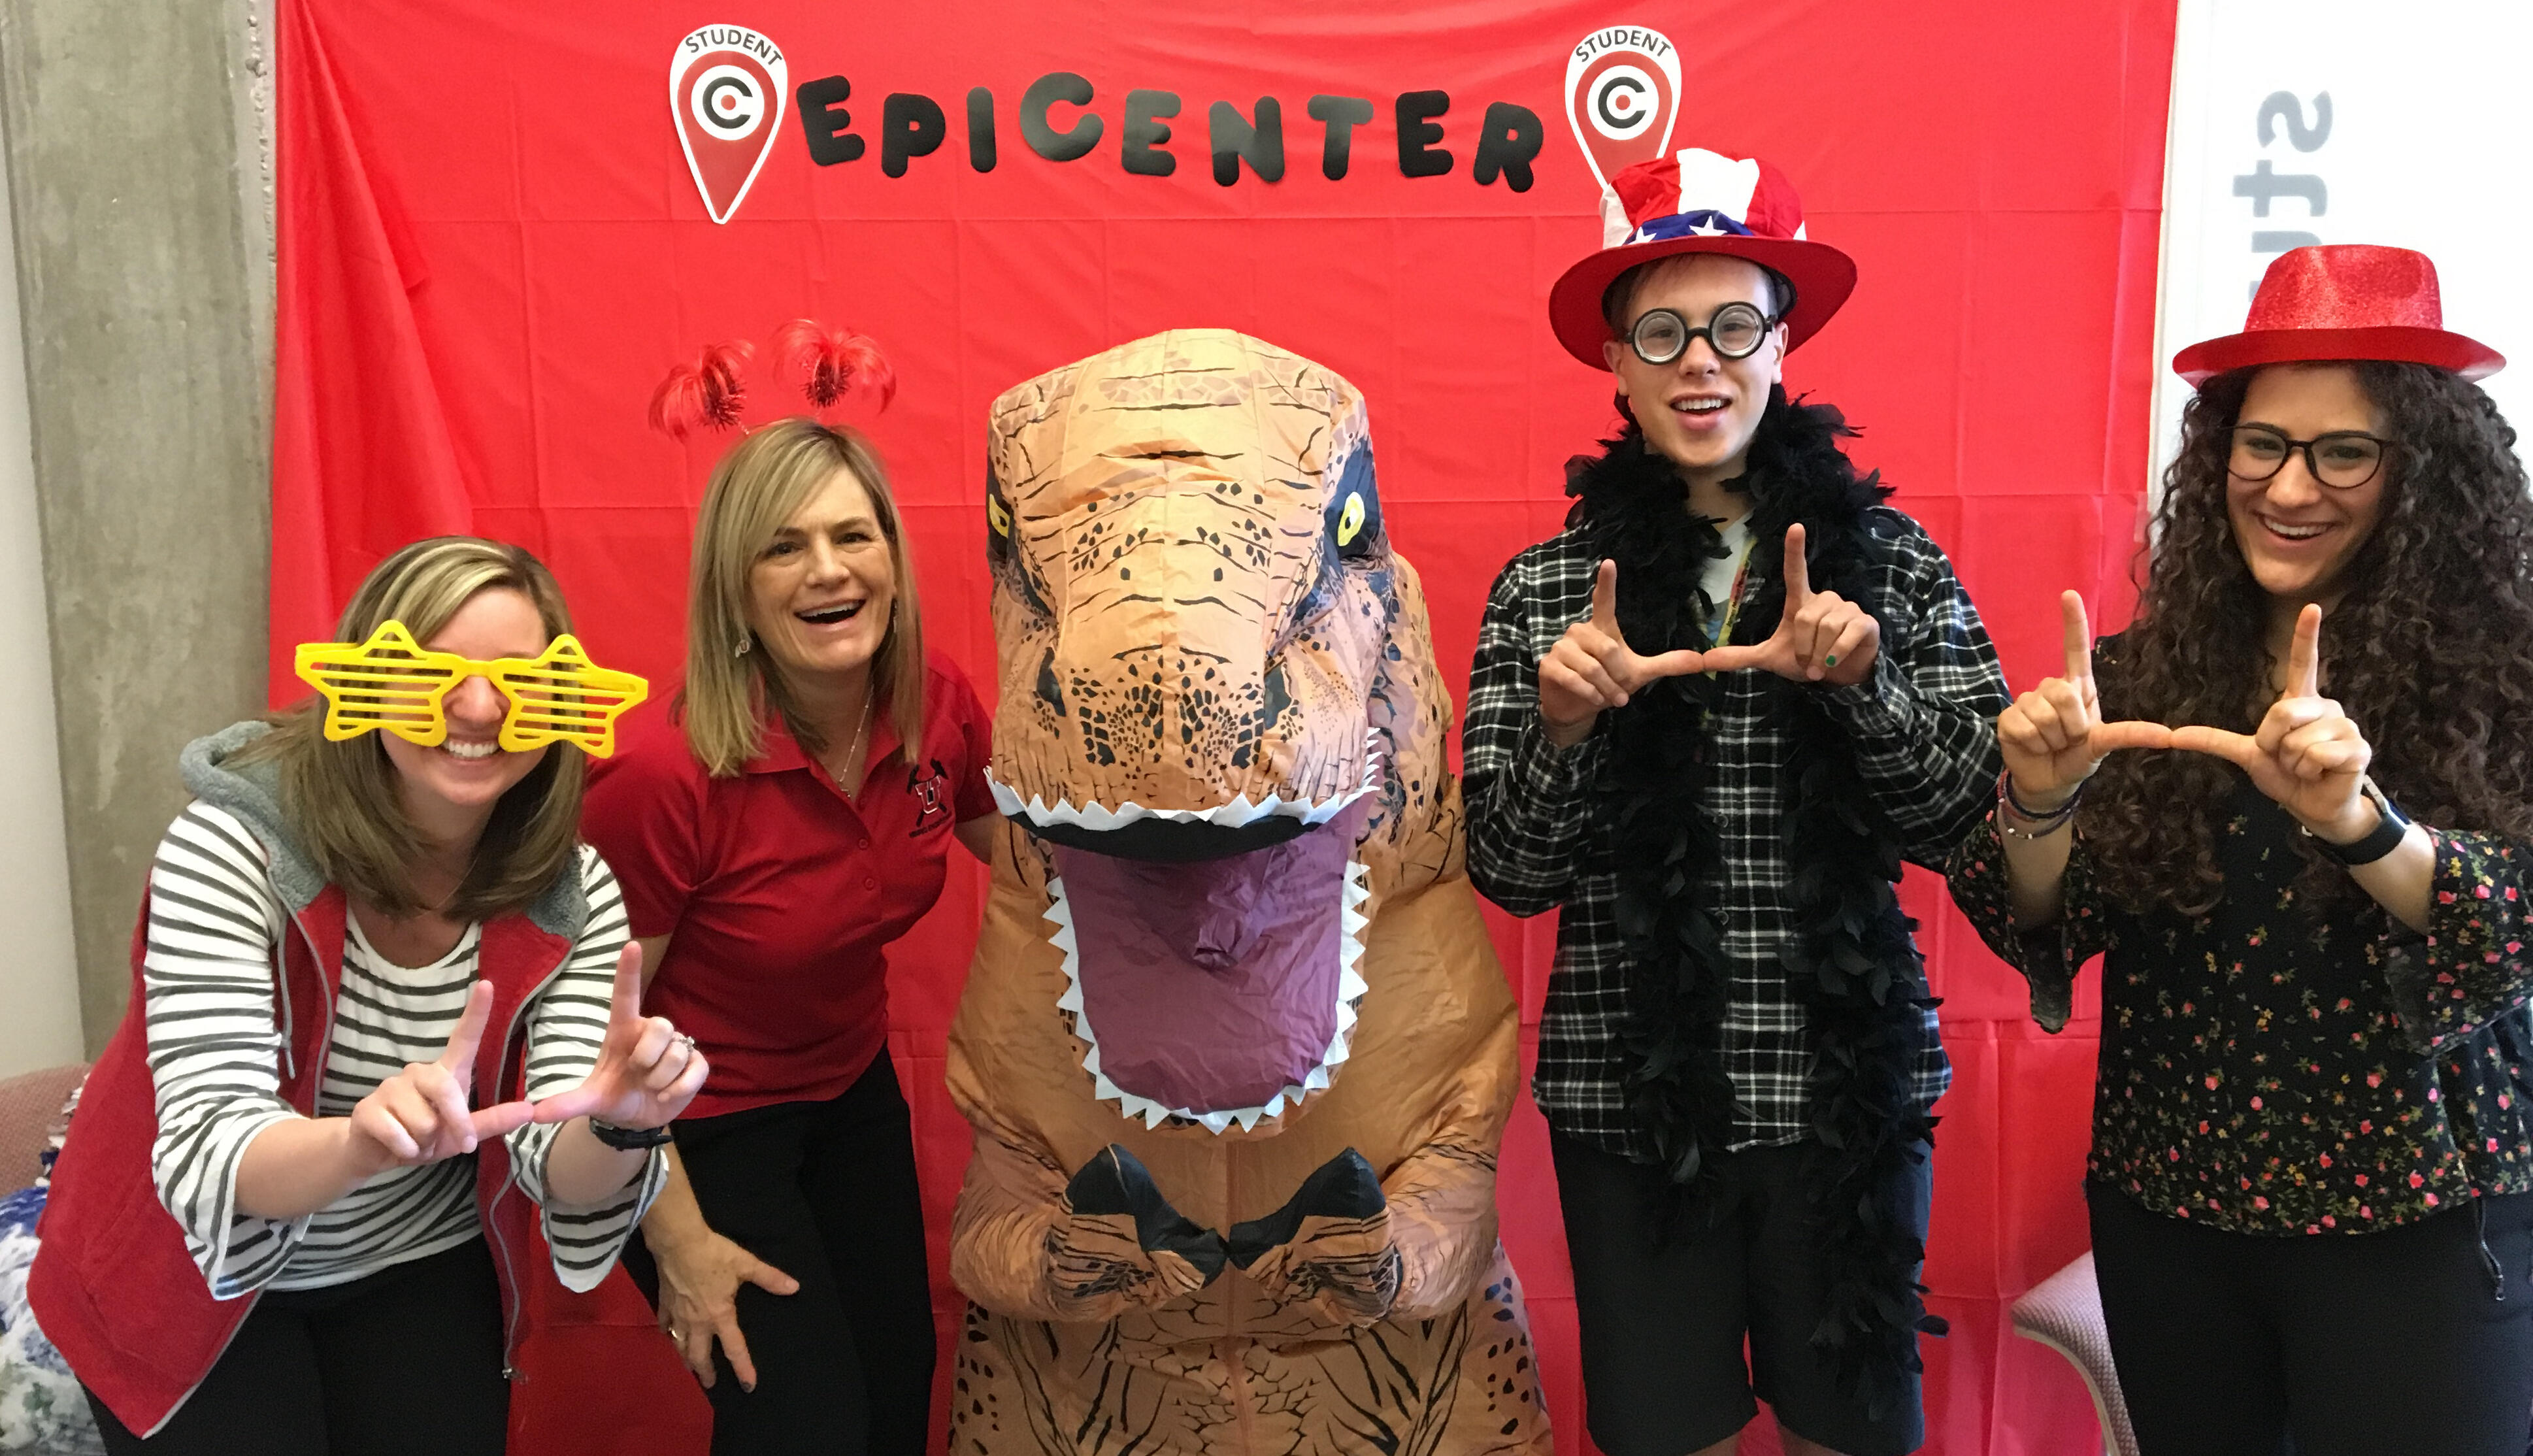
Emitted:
<point x="1089" y="1249"/>
<point x="1443" y="1195"/>
<point x="1358" y="1249"/>
<point x="998" y="1235"/>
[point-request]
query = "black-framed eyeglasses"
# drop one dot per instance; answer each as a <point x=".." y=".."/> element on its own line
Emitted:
<point x="2342" y="459"/>
<point x="1736" y="331"/>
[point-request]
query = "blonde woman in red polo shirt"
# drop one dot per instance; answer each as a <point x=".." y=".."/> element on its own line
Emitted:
<point x="789" y="818"/>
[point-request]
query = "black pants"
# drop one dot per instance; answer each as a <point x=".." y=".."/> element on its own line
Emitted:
<point x="826" y="1192"/>
<point x="2351" y="1344"/>
<point x="1666" y="1305"/>
<point x="404" y="1363"/>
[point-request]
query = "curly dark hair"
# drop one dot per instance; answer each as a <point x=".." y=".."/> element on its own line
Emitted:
<point x="2431" y="651"/>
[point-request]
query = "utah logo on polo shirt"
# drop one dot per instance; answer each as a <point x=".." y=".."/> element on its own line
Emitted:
<point x="932" y="793"/>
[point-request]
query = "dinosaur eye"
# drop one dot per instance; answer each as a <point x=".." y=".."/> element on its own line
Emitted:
<point x="1001" y="550"/>
<point x="998" y="519"/>
<point x="1354" y="506"/>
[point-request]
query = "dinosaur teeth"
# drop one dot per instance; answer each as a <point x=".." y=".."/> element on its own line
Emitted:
<point x="1097" y="817"/>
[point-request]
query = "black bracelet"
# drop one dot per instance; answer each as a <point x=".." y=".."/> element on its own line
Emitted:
<point x="2037" y="825"/>
<point x="2014" y="801"/>
<point x="628" y="1139"/>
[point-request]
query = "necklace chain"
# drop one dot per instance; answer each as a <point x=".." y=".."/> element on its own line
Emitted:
<point x="854" y="755"/>
<point x="445" y="900"/>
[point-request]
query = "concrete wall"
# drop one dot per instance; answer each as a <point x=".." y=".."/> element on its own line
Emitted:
<point x="136" y="171"/>
<point x="39" y="1012"/>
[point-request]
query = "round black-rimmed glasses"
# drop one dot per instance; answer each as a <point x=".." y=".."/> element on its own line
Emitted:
<point x="2342" y="459"/>
<point x="1736" y="331"/>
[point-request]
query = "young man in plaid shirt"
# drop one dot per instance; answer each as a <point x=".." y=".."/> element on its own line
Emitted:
<point x="1708" y="721"/>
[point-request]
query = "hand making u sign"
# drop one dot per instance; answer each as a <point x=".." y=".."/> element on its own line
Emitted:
<point x="2053" y="736"/>
<point x="2306" y="754"/>
<point x="1591" y="667"/>
<point x="1823" y="637"/>
<point x="420" y="1115"/>
<point x="646" y="1072"/>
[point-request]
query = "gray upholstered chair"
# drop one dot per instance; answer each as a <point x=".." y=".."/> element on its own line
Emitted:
<point x="2064" y="1311"/>
<point x="29" y="1103"/>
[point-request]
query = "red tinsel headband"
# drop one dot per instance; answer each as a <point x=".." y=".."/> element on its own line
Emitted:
<point x="706" y="392"/>
<point x="831" y="362"/>
<point x="828" y="364"/>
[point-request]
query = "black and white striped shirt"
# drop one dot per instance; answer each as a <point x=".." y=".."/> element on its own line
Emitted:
<point x="1921" y="729"/>
<point x="215" y="1052"/>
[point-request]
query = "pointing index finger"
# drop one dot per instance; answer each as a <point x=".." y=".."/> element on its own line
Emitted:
<point x="458" y="1057"/>
<point x="2304" y="655"/>
<point x="624" y="1006"/>
<point x="2080" y="637"/>
<point x="1798" y="579"/>
<point x="1604" y="600"/>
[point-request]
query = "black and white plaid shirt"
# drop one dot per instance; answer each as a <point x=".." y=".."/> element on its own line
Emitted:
<point x="1923" y="724"/>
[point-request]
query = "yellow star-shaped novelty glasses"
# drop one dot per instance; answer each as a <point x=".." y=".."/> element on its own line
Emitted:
<point x="395" y="682"/>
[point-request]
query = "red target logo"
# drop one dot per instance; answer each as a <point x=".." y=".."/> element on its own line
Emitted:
<point x="726" y="86"/>
<point x="1622" y="96"/>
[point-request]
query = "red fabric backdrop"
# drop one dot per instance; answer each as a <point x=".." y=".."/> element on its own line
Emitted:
<point x="491" y="249"/>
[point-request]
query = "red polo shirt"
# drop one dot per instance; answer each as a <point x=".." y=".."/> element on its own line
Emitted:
<point x="780" y="894"/>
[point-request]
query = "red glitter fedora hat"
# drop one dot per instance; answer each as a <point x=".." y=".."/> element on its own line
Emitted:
<point x="1696" y="200"/>
<point x="2343" y="301"/>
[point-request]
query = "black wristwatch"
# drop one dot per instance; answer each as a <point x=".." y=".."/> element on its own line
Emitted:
<point x="2390" y="827"/>
<point x="628" y="1139"/>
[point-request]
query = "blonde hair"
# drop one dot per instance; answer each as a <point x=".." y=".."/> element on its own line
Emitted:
<point x="340" y="799"/>
<point x="755" y="491"/>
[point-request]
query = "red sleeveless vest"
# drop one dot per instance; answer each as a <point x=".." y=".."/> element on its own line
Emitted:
<point x="114" y="1286"/>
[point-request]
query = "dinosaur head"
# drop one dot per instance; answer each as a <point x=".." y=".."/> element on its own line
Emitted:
<point x="1211" y="665"/>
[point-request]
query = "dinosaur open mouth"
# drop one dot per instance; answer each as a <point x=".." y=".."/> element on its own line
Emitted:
<point x="1219" y="990"/>
<point x="1132" y="831"/>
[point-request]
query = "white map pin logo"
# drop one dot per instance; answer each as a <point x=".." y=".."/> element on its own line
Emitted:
<point x="726" y="86"/>
<point x="1622" y="96"/>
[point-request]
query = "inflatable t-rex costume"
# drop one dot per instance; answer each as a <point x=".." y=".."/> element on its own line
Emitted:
<point x="1236" y="1047"/>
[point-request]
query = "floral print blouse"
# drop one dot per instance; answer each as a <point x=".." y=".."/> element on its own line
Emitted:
<point x="2273" y="1066"/>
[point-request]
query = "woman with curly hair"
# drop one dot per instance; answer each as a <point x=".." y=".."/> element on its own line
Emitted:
<point x="2312" y="1176"/>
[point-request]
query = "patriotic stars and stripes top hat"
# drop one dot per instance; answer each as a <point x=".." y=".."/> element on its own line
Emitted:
<point x="1696" y="200"/>
<point x="2343" y="301"/>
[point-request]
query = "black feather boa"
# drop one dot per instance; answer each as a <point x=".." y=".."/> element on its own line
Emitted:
<point x="1851" y="960"/>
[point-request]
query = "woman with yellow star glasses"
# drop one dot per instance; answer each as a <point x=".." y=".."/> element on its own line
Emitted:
<point x="385" y="1012"/>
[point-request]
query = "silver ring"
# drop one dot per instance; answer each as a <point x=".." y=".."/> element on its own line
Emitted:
<point x="689" y="1040"/>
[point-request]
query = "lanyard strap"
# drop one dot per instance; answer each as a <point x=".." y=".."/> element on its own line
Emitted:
<point x="1732" y="605"/>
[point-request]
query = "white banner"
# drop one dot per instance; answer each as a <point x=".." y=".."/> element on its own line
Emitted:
<point x="2330" y="121"/>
